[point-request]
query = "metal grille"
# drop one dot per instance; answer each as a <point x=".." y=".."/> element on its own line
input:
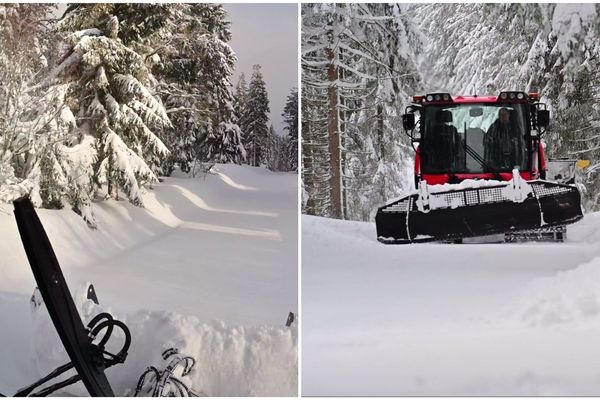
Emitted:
<point x="543" y="190"/>
<point x="491" y="195"/>
<point x="472" y="197"/>
<point x="453" y="199"/>
<point x="400" y="206"/>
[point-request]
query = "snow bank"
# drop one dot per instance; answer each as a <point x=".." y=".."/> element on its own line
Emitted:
<point x="230" y="360"/>
<point x="568" y="299"/>
<point x="120" y="226"/>
<point x="218" y="247"/>
<point x="587" y="231"/>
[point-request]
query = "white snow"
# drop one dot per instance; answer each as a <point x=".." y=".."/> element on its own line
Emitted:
<point x="210" y="266"/>
<point x="517" y="190"/>
<point x="453" y="320"/>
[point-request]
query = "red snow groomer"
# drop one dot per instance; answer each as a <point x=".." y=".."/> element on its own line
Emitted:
<point x="479" y="170"/>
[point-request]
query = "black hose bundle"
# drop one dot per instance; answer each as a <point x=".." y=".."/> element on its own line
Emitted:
<point x="164" y="384"/>
<point x="95" y="326"/>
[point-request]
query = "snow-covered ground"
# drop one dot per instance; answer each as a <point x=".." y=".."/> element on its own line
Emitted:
<point x="442" y="319"/>
<point x="209" y="266"/>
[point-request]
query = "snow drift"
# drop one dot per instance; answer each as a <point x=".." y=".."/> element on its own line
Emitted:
<point x="209" y="266"/>
<point x="232" y="360"/>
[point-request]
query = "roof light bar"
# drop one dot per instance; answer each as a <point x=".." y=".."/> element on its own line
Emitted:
<point x="512" y="96"/>
<point x="438" y="97"/>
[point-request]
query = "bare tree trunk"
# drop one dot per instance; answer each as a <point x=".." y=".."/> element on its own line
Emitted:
<point x="380" y="138"/>
<point x="342" y="125"/>
<point x="109" y="173"/>
<point x="335" y="182"/>
<point x="306" y="166"/>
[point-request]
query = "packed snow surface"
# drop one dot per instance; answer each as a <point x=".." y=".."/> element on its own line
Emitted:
<point x="454" y="320"/>
<point x="209" y="266"/>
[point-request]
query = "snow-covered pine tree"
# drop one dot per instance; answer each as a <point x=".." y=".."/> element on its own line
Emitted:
<point x="279" y="153"/>
<point x="321" y="174"/>
<point x="257" y="134"/>
<point x="223" y="141"/>
<point x="377" y="153"/>
<point x="316" y="172"/>
<point x="138" y="26"/>
<point x="315" y="154"/>
<point x="23" y="53"/>
<point x="284" y="151"/>
<point x="194" y="67"/>
<point x="109" y="92"/>
<point x="240" y="105"/>
<point x="357" y="66"/>
<point x="573" y="87"/>
<point x="290" y="119"/>
<point x="485" y="53"/>
<point x="273" y="150"/>
<point x="39" y="154"/>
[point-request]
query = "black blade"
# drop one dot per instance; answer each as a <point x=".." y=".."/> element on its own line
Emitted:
<point x="478" y="212"/>
<point x="59" y="302"/>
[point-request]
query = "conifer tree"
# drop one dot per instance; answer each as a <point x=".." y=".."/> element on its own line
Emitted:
<point x="194" y="70"/>
<point x="38" y="151"/>
<point x="358" y="64"/>
<point x="109" y="92"/>
<point x="290" y="119"/>
<point x="273" y="151"/>
<point x="240" y="105"/>
<point x="223" y="141"/>
<point x="257" y="133"/>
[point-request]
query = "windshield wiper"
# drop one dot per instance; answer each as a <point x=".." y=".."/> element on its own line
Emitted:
<point x="477" y="157"/>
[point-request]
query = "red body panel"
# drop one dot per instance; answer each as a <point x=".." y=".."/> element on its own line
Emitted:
<point x="476" y="99"/>
<point x="418" y="161"/>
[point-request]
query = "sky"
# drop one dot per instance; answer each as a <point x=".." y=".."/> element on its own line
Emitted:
<point x="267" y="34"/>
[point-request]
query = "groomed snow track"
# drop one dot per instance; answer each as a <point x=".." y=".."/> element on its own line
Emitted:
<point x="436" y="319"/>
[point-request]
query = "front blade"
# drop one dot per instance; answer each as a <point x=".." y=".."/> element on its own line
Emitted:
<point x="477" y="212"/>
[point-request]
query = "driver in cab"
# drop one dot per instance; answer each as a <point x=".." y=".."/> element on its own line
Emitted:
<point x="501" y="142"/>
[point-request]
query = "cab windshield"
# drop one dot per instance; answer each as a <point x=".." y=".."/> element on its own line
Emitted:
<point x="474" y="138"/>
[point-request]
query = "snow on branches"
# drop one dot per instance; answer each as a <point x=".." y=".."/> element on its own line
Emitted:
<point x="92" y="103"/>
<point x="358" y="66"/>
<point x="113" y="104"/>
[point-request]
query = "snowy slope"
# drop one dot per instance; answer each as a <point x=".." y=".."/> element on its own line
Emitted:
<point x="436" y="319"/>
<point x="210" y="265"/>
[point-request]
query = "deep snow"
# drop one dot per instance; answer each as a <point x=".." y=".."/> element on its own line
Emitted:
<point x="442" y="319"/>
<point x="210" y="265"/>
